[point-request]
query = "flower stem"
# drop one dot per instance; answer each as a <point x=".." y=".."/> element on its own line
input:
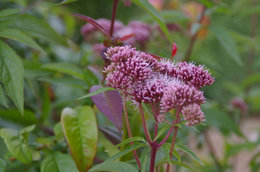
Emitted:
<point x="154" y="148"/>
<point x="113" y="17"/>
<point x="130" y="132"/>
<point x="155" y="113"/>
<point x="173" y="138"/>
<point x="146" y="132"/>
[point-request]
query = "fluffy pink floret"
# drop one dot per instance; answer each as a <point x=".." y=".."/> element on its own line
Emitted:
<point x="191" y="74"/>
<point x="150" y="90"/>
<point x="118" y="80"/>
<point x="178" y="95"/>
<point x="168" y="68"/>
<point x="192" y="114"/>
<point x="120" y="53"/>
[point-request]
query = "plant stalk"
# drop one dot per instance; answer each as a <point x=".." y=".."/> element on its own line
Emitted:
<point x="155" y="113"/>
<point x="154" y="149"/>
<point x="173" y="139"/>
<point x="146" y="132"/>
<point x="130" y="132"/>
<point x="113" y="17"/>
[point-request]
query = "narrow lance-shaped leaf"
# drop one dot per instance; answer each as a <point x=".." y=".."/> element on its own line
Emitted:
<point x="3" y="99"/>
<point x="8" y="12"/>
<point x="110" y="104"/>
<point x="189" y="152"/>
<point x="11" y="75"/>
<point x="66" y="68"/>
<point x="21" y="37"/>
<point x="150" y="9"/>
<point x="16" y="144"/>
<point x="58" y="162"/>
<point x="80" y="130"/>
<point x="33" y="26"/>
<point x="100" y="90"/>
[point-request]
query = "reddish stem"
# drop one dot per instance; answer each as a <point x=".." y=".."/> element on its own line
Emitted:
<point x="113" y="17"/>
<point x="173" y="139"/>
<point x="130" y="132"/>
<point x="154" y="148"/>
<point x="146" y="132"/>
<point x="155" y="118"/>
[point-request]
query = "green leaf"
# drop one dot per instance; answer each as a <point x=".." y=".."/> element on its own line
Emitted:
<point x="64" y="80"/>
<point x="127" y="150"/>
<point x="150" y="9"/>
<point x="145" y="158"/>
<point x="66" y="68"/>
<point x="107" y="145"/>
<point x="2" y="165"/>
<point x="66" y="2"/>
<point x="163" y="155"/>
<point x="58" y="162"/>
<point x="27" y="129"/>
<point x="161" y="131"/>
<point x="3" y="99"/>
<point x="176" y="155"/>
<point x="129" y="140"/>
<point x="8" y="12"/>
<point x="181" y="164"/>
<point x="101" y="90"/>
<point x="227" y="41"/>
<point x="189" y="152"/>
<point x="13" y="115"/>
<point x="21" y="37"/>
<point x="58" y="131"/>
<point x="90" y="78"/>
<point x="17" y="145"/>
<point x="80" y="130"/>
<point x="33" y="26"/>
<point x="251" y="80"/>
<point x="11" y="75"/>
<point x="114" y="166"/>
<point x="36" y="155"/>
<point x="173" y="16"/>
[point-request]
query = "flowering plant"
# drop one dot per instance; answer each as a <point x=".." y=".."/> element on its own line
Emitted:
<point x="147" y="107"/>
<point x="164" y="85"/>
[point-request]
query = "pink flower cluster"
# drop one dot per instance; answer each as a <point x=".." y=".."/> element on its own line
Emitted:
<point x="168" y="85"/>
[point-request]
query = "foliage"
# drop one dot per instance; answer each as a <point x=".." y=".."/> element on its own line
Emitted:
<point x="57" y="113"/>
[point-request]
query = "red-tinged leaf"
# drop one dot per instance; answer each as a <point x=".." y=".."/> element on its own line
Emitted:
<point x="94" y="23"/>
<point x="110" y="104"/>
<point x="174" y="50"/>
<point x="126" y="37"/>
<point x="156" y="56"/>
